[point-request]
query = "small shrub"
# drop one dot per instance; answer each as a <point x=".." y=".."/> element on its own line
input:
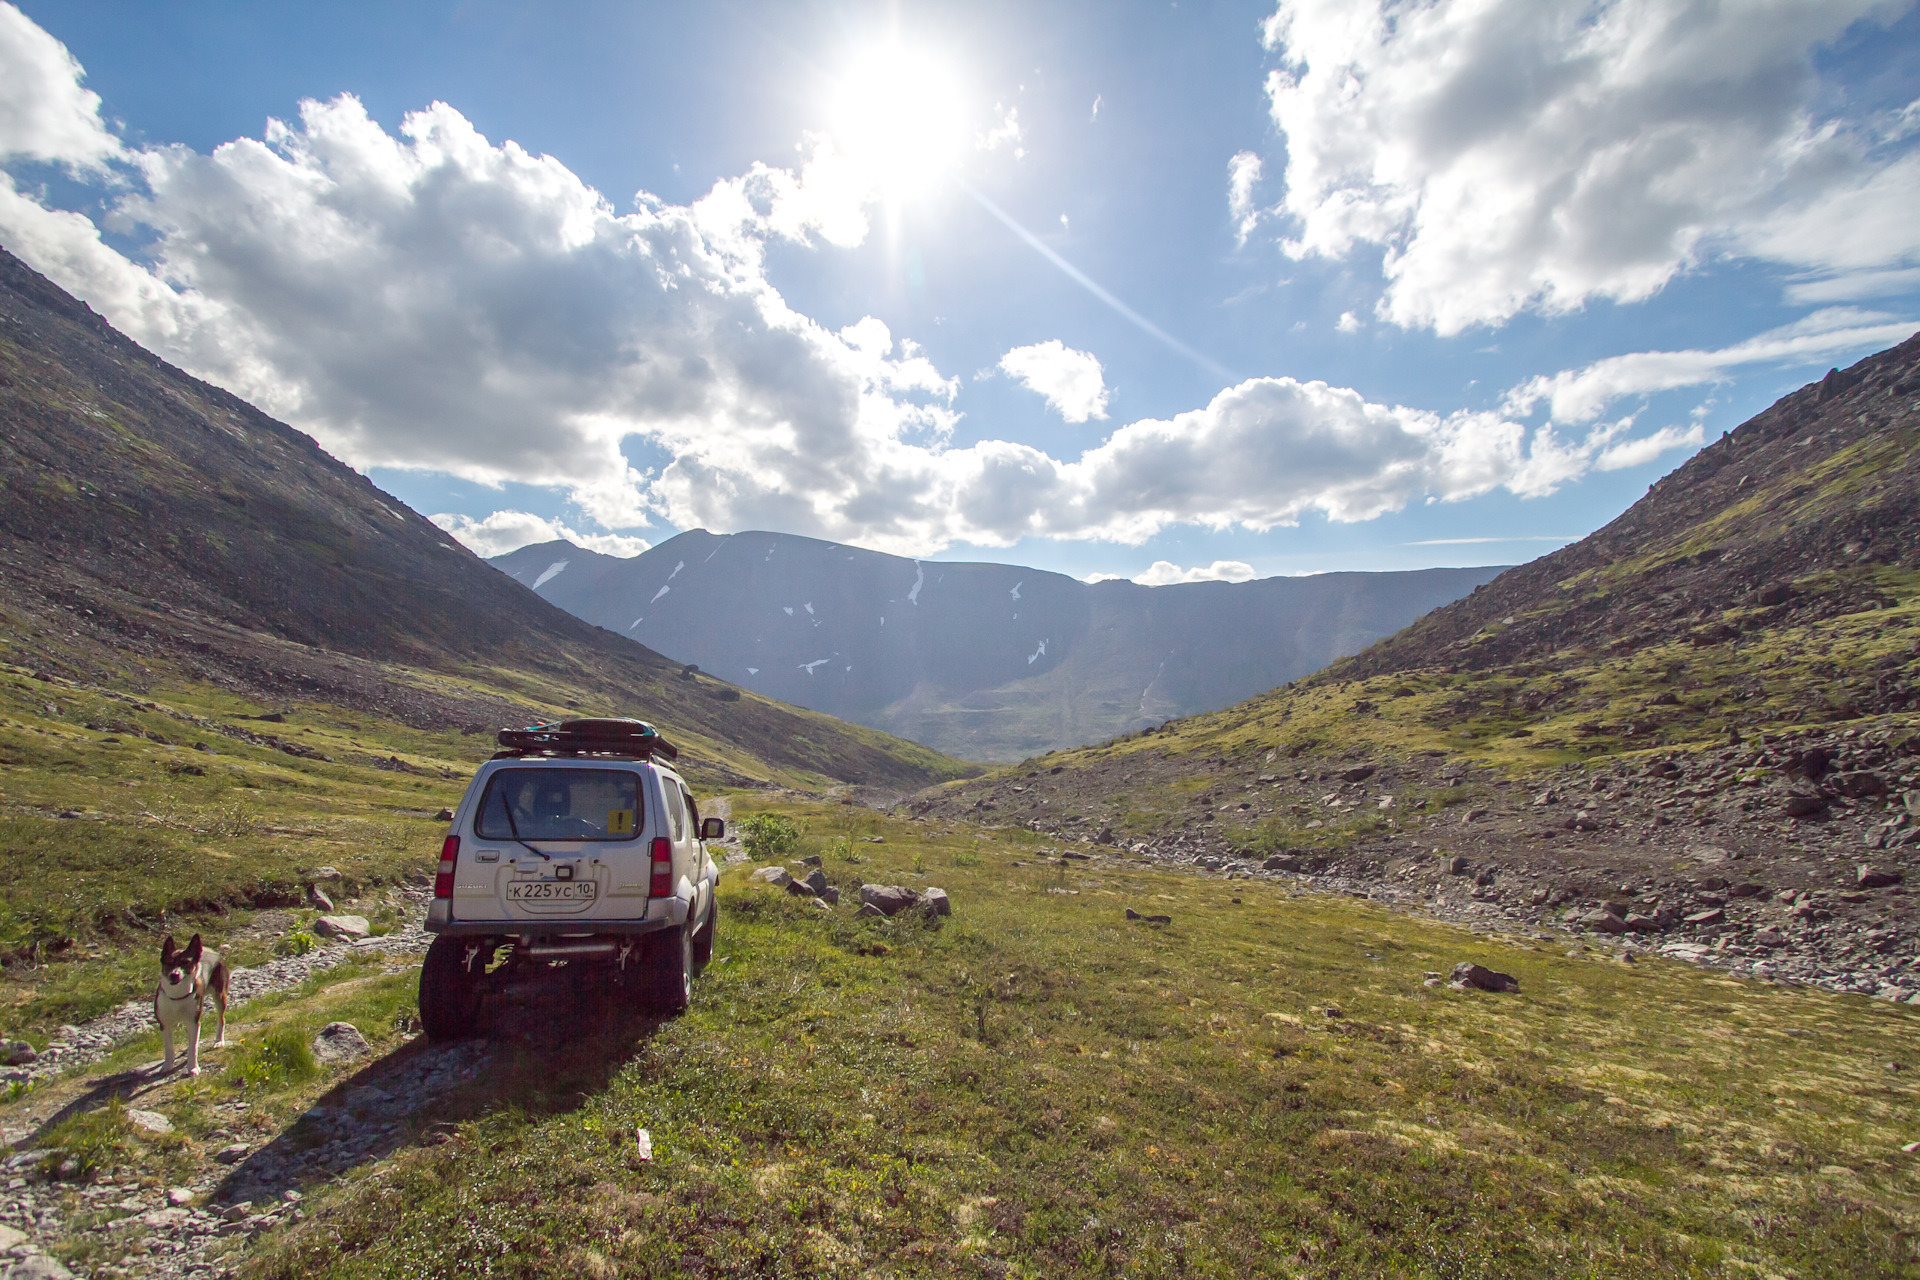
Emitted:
<point x="90" y="1143"/>
<point x="296" y="942"/>
<point x="767" y="836"/>
<point x="281" y="1057"/>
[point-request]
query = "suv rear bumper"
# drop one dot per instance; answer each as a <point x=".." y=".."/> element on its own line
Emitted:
<point x="545" y="928"/>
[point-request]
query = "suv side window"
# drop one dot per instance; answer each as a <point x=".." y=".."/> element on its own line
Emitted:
<point x="693" y="813"/>
<point x="676" y="820"/>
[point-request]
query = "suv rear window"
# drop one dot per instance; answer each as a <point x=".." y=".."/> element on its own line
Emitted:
<point x="560" y="804"/>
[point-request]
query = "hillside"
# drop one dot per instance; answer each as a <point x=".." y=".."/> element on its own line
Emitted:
<point x="982" y="661"/>
<point x="1699" y="727"/>
<point x="153" y="527"/>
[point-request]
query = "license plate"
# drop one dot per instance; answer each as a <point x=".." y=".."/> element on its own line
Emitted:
<point x="552" y="891"/>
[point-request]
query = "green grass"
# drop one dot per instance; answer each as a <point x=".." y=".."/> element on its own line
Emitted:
<point x="1038" y="1088"/>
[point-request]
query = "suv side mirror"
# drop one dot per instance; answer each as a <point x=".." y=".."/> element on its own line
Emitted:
<point x="712" y="829"/>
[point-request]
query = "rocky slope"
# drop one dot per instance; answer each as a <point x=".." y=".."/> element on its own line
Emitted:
<point x="152" y="524"/>
<point x="1824" y="481"/>
<point x="983" y="661"/>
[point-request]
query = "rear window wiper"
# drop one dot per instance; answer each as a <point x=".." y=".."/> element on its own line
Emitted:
<point x="507" y="808"/>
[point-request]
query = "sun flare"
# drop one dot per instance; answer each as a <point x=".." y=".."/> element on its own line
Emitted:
<point x="900" y="115"/>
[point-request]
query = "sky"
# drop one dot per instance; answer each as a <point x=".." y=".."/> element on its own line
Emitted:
<point x="1162" y="290"/>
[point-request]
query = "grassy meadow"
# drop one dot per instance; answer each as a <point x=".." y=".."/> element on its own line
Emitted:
<point x="1039" y="1087"/>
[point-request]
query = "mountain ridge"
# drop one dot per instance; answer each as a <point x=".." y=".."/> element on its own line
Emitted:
<point x="982" y="660"/>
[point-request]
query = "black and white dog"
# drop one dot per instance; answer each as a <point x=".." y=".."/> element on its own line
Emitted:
<point x="188" y="975"/>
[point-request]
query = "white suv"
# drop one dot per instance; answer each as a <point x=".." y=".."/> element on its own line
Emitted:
<point x="577" y="843"/>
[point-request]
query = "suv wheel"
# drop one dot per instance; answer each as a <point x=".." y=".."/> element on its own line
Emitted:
<point x="449" y="995"/>
<point x="703" y="940"/>
<point x="667" y="987"/>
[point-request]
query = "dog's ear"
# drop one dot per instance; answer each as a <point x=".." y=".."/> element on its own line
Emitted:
<point x="167" y="949"/>
<point x="192" y="953"/>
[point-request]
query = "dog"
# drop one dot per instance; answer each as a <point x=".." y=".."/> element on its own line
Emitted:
<point x="188" y="975"/>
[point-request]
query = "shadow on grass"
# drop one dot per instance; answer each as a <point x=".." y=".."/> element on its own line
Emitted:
<point x="544" y="1047"/>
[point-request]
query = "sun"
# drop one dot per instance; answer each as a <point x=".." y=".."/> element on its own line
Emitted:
<point x="900" y="115"/>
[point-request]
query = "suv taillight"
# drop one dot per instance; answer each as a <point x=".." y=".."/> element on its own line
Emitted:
<point x="443" y="878"/>
<point x="660" y="884"/>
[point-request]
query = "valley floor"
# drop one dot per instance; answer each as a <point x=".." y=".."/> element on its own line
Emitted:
<point x="1271" y="1083"/>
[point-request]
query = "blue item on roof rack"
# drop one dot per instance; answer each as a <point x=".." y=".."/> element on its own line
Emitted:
<point x="601" y="737"/>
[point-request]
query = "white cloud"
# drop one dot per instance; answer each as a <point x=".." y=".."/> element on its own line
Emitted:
<point x="1634" y="453"/>
<point x="1347" y="323"/>
<point x="44" y="112"/>
<point x="1852" y="285"/>
<point x="1005" y="133"/>
<point x="1070" y="380"/>
<point x="1516" y="154"/>
<point x="1164" y="573"/>
<point x="1243" y="174"/>
<point x="505" y="531"/>
<point x="1581" y="395"/>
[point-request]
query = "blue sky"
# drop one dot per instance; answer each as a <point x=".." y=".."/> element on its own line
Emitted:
<point x="1141" y="289"/>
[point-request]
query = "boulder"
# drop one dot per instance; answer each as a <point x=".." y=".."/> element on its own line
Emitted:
<point x="812" y="885"/>
<point x="38" y="1266"/>
<point x="887" y="899"/>
<point x="1858" y="785"/>
<point x="1642" y="924"/>
<point x="445" y="815"/>
<point x="1804" y="804"/>
<point x="326" y="873"/>
<point x="778" y="877"/>
<point x="1714" y="915"/>
<point x="17" y="1053"/>
<point x="1467" y="975"/>
<point x="318" y="900"/>
<point x="232" y="1153"/>
<point x="350" y="927"/>
<point x="935" y="902"/>
<point x="149" y="1122"/>
<point x="1103" y="836"/>
<point x="1359" y="773"/>
<point x="1281" y="862"/>
<point x="1769" y="938"/>
<point x="340" y="1042"/>
<point x="1601" y="922"/>
<point x="1747" y="890"/>
<point x="1456" y="866"/>
<point x="1878" y="878"/>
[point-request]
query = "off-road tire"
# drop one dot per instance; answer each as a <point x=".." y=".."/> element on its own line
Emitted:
<point x="666" y="982"/>
<point x="449" y="995"/>
<point x="703" y="941"/>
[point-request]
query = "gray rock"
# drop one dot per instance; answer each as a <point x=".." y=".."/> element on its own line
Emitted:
<point x="1804" y="804"/>
<point x="340" y="1042"/>
<point x="342" y="927"/>
<point x="17" y="1053"/>
<point x="1714" y="915"/>
<point x="1468" y="975"/>
<point x="830" y="896"/>
<point x="233" y="1153"/>
<point x="1747" y="890"/>
<point x="38" y="1266"/>
<point x="1877" y="878"/>
<point x="1281" y="862"/>
<point x="887" y="899"/>
<point x="149" y="1121"/>
<point x="317" y="899"/>
<point x="1601" y="921"/>
<point x="1359" y="773"/>
<point x="325" y="873"/>
<point x="1769" y="938"/>
<point x="811" y="860"/>
<point x="936" y="903"/>
<point x="1456" y="866"/>
<point x="778" y="877"/>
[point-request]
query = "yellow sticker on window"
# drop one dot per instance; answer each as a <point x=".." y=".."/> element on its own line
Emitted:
<point x="620" y="822"/>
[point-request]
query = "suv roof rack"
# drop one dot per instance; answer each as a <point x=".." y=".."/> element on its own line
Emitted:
<point x="623" y="739"/>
